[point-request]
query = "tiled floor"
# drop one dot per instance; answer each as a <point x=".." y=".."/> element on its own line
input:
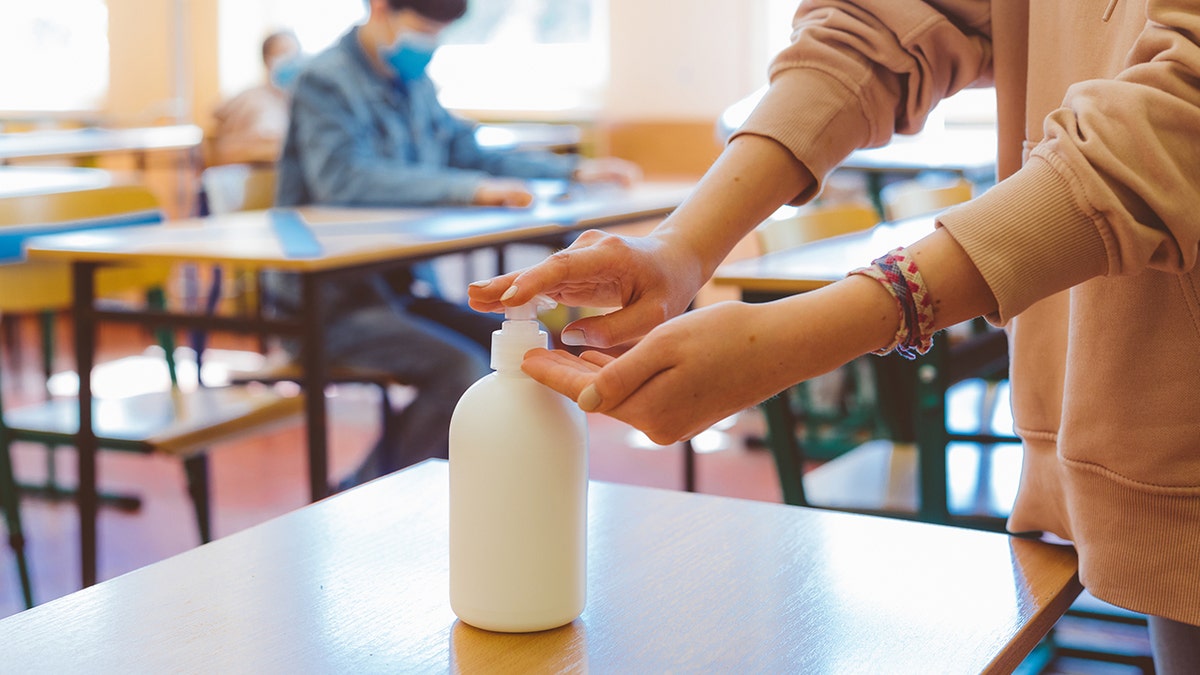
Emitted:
<point x="263" y="477"/>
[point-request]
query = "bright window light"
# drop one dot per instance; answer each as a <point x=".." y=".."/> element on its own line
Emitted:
<point x="525" y="55"/>
<point x="55" y="55"/>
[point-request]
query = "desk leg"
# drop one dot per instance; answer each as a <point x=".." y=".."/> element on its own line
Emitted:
<point x="930" y="425"/>
<point x="83" y="276"/>
<point x="316" y="376"/>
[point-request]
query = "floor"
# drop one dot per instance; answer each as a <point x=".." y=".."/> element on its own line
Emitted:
<point x="265" y="476"/>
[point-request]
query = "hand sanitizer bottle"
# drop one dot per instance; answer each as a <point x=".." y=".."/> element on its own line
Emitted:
<point x="518" y="493"/>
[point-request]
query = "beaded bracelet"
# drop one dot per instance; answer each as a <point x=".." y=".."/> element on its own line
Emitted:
<point x="898" y="273"/>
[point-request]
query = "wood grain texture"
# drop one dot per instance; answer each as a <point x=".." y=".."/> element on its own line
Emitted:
<point x="678" y="582"/>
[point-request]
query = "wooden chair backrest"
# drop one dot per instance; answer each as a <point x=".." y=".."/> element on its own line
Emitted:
<point x="812" y="223"/>
<point x="915" y="198"/>
<point x="238" y="187"/>
<point x="36" y="286"/>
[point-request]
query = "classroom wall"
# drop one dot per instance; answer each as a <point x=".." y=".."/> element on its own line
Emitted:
<point x="675" y="65"/>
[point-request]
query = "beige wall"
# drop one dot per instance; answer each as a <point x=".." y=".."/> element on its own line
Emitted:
<point x="675" y="65"/>
<point x="144" y="56"/>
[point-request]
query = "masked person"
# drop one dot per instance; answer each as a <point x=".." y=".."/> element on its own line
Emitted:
<point x="250" y="127"/>
<point x="367" y="130"/>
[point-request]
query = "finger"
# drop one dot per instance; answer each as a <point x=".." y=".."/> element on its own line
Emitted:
<point x="565" y="265"/>
<point x="597" y="358"/>
<point x="565" y="373"/>
<point x="614" y="328"/>
<point x="619" y="379"/>
<point x="485" y="295"/>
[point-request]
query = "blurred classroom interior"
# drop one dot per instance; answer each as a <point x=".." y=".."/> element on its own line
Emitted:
<point x="659" y="84"/>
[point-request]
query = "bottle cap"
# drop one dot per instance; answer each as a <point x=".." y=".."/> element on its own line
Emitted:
<point x="519" y="333"/>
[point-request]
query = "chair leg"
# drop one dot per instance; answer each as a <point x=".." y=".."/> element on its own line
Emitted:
<point x="785" y="448"/>
<point x="196" y="468"/>
<point x="11" y="505"/>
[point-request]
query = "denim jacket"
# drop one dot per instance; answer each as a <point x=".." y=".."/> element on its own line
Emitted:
<point x="357" y="138"/>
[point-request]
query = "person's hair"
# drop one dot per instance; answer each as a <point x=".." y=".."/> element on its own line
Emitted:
<point x="271" y="39"/>
<point x="443" y="11"/>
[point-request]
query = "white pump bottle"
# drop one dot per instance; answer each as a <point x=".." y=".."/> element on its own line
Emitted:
<point x="518" y="493"/>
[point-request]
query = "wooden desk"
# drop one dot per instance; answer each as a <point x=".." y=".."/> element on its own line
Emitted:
<point x="321" y="244"/>
<point x="93" y="141"/>
<point x="820" y="263"/>
<point x="677" y="582"/>
<point x="16" y="181"/>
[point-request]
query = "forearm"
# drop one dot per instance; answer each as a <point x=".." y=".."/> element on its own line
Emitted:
<point x="752" y="178"/>
<point x="821" y="330"/>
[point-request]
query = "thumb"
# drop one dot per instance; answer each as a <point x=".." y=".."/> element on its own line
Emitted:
<point x="610" y="330"/>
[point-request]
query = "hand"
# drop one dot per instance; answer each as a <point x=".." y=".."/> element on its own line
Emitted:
<point x="502" y="192"/>
<point x="607" y="170"/>
<point x="648" y="278"/>
<point x="684" y="376"/>
<point x="703" y="366"/>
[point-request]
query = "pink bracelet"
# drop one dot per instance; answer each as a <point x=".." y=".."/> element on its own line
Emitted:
<point x="898" y="273"/>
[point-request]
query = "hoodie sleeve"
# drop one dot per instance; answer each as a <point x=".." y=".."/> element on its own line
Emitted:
<point x="858" y="72"/>
<point x="1111" y="189"/>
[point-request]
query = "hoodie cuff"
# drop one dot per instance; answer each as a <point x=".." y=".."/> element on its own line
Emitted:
<point x="1029" y="237"/>
<point x="815" y="116"/>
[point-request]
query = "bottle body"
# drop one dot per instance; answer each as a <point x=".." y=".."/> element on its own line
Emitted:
<point x="518" y="506"/>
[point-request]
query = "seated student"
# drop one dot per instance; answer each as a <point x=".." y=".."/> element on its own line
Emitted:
<point x="367" y="130"/>
<point x="250" y="126"/>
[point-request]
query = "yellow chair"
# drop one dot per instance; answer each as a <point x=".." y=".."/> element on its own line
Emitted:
<point x="918" y="197"/>
<point x="238" y="187"/>
<point x="173" y="422"/>
<point x="812" y="223"/>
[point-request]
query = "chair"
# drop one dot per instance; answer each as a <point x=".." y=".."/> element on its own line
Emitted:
<point x="242" y="187"/>
<point x="920" y="196"/>
<point x="174" y="422"/>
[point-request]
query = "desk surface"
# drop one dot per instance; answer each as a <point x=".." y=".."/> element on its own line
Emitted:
<point x="16" y="181"/>
<point x="677" y="582"/>
<point x="820" y="263"/>
<point x="315" y="238"/>
<point x="96" y="140"/>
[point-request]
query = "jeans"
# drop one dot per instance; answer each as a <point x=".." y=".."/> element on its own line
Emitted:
<point x="438" y="347"/>
<point x="1176" y="646"/>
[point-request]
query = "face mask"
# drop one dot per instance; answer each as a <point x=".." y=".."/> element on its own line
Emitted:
<point x="409" y="55"/>
<point x="284" y="72"/>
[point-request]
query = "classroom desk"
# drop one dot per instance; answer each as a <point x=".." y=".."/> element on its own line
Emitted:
<point x="320" y="244"/>
<point x="812" y="266"/>
<point x="17" y="181"/>
<point x="677" y="582"/>
<point x="84" y="144"/>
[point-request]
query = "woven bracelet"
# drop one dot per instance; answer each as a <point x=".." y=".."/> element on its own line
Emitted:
<point x="898" y="273"/>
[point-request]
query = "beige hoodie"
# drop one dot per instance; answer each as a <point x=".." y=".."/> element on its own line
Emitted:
<point x="1089" y="244"/>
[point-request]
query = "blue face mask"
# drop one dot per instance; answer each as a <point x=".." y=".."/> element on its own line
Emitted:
<point x="284" y="72"/>
<point x="409" y="55"/>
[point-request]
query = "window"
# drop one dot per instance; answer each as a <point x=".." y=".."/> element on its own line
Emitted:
<point x="55" y="55"/>
<point x="526" y="55"/>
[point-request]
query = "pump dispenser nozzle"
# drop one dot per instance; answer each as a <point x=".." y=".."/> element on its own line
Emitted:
<point x="519" y="333"/>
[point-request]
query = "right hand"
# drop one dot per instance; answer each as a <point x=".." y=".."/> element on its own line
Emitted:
<point x="502" y="192"/>
<point x="648" y="278"/>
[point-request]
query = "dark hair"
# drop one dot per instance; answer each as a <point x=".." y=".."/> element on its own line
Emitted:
<point x="271" y="39"/>
<point x="443" y="11"/>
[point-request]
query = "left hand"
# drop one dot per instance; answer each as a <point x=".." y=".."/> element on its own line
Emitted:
<point x="607" y="170"/>
<point x="685" y="375"/>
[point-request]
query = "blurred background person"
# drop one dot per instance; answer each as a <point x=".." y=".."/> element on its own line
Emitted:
<point x="250" y="127"/>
